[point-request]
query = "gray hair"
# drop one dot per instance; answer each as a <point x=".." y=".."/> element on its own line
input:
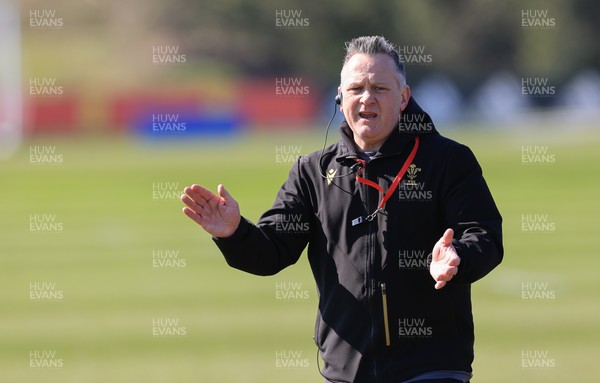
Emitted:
<point x="372" y="45"/>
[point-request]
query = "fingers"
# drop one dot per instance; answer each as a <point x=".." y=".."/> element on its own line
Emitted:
<point x="223" y="193"/>
<point x="443" y="277"/>
<point x="447" y="237"/>
<point x="194" y="196"/>
<point x="199" y="200"/>
<point x="192" y="204"/>
<point x="450" y="272"/>
<point x="193" y="215"/>
<point x="454" y="261"/>
<point x="202" y="192"/>
<point x="444" y="242"/>
<point x="446" y="273"/>
<point x="200" y="196"/>
<point x="446" y="267"/>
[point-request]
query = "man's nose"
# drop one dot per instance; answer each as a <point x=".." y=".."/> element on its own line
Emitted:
<point x="367" y="97"/>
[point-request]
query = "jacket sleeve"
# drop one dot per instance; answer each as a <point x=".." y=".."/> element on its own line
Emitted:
<point x="279" y="237"/>
<point x="470" y="210"/>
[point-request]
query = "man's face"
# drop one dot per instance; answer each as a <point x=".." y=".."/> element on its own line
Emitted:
<point x="372" y="98"/>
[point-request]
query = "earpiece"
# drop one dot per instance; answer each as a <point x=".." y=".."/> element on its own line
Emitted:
<point x="354" y="168"/>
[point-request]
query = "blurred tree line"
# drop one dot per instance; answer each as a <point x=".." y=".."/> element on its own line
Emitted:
<point x="467" y="39"/>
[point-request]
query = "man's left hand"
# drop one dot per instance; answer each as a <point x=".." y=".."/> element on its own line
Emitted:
<point x="444" y="260"/>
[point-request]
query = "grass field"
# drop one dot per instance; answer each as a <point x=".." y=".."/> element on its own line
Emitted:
<point x="89" y="235"/>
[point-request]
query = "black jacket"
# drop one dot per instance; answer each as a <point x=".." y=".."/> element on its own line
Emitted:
<point x="380" y="318"/>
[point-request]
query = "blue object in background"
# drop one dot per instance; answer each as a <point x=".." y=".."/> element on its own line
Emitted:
<point x="173" y="124"/>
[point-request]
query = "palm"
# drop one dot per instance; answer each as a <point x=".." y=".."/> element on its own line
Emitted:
<point x="219" y="215"/>
<point x="442" y="255"/>
<point x="444" y="260"/>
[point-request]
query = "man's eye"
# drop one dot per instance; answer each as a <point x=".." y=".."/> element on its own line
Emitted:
<point x="379" y="88"/>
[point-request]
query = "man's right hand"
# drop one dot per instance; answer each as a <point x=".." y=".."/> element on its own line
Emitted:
<point x="219" y="214"/>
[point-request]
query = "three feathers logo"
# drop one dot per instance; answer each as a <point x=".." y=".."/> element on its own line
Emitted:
<point x="411" y="174"/>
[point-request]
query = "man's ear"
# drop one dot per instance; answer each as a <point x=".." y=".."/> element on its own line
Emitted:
<point x="340" y="95"/>
<point x="405" y="94"/>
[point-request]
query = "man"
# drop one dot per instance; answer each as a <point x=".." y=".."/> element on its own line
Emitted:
<point x="397" y="205"/>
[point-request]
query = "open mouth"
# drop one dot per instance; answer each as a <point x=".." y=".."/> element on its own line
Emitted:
<point x="367" y="115"/>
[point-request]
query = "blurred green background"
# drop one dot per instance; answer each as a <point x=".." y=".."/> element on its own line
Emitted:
<point x="129" y="289"/>
<point x="233" y="323"/>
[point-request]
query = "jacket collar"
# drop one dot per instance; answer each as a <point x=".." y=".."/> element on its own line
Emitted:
<point x="413" y="121"/>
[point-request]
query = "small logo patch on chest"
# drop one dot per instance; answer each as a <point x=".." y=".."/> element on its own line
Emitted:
<point x="330" y="176"/>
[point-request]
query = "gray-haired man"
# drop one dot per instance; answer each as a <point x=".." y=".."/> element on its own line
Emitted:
<point x="390" y="206"/>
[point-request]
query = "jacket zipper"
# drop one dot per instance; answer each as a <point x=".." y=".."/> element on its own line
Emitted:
<point x="385" y="314"/>
<point x="371" y="283"/>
